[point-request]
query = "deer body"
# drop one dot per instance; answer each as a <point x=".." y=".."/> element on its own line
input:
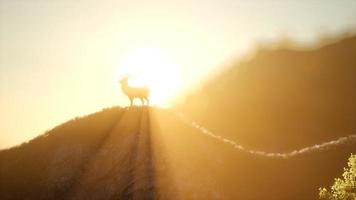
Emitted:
<point x="141" y="93"/>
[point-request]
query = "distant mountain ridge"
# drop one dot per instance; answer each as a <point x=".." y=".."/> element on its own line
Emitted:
<point x="282" y="99"/>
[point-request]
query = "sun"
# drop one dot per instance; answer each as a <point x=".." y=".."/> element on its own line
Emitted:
<point x="155" y="69"/>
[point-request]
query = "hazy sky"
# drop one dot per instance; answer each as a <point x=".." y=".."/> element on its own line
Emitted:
<point x="58" y="58"/>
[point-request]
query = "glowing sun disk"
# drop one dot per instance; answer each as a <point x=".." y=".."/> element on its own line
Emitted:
<point x="154" y="69"/>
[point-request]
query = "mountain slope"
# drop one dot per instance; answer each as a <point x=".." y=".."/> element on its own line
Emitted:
<point x="150" y="153"/>
<point x="283" y="99"/>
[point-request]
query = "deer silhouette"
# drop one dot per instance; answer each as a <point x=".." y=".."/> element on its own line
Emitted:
<point x="134" y="92"/>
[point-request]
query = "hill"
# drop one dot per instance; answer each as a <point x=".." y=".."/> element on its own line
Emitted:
<point x="152" y="153"/>
<point x="282" y="99"/>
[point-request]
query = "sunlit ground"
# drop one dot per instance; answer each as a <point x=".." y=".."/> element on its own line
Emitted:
<point x="152" y="68"/>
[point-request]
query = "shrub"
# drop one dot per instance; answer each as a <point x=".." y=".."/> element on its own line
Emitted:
<point x="344" y="188"/>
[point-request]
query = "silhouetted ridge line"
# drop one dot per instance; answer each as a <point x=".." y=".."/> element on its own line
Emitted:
<point x="308" y="149"/>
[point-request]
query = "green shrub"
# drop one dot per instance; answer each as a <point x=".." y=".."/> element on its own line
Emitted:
<point x="343" y="188"/>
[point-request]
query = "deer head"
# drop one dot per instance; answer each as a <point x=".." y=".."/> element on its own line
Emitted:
<point x="124" y="80"/>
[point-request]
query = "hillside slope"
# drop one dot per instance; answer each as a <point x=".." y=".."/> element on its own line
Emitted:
<point x="150" y="153"/>
<point x="282" y="99"/>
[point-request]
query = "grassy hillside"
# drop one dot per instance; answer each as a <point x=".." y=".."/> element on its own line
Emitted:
<point x="47" y="166"/>
<point x="150" y="153"/>
<point x="283" y="99"/>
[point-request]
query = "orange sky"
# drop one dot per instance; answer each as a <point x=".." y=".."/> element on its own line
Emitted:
<point x="59" y="59"/>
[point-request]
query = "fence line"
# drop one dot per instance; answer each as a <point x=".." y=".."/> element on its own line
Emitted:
<point x="309" y="149"/>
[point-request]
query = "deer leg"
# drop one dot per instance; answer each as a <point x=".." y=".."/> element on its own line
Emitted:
<point x="131" y="101"/>
<point x="148" y="101"/>
<point x="143" y="102"/>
